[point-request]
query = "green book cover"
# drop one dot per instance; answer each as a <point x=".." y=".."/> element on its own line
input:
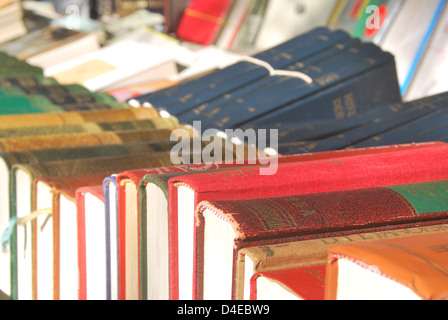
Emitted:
<point x="26" y="81"/>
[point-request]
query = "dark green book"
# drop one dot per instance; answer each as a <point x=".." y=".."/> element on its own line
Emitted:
<point x="26" y="81"/>
<point x="44" y="90"/>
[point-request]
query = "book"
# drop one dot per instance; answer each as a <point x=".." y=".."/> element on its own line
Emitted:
<point x="51" y="45"/>
<point x="92" y="127"/>
<point x="345" y="96"/>
<point x="412" y="268"/>
<point x="409" y="116"/>
<point x="34" y="120"/>
<point x="426" y="80"/>
<point x="82" y="139"/>
<point x="12" y="25"/>
<point x="159" y="196"/>
<point x="42" y="90"/>
<point x="29" y="185"/>
<point x="236" y="17"/>
<point x="25" y="82"/>
<point x="247" y="35"/>
<point x="284" y="20"/>
<point x="308" y="256"/>
<point x="409" y="50"/>
<point x="91" y="243"/>
<point x="307" y="283"/>
<point x="202" y="20"/>
<point x="184" y="96"/>
<point x="407" y="131"/>
<point x="104" y="68"/>
<point x="75" y="164"/>
<point x="243" y="223"/>
<point x="250" y="183"/>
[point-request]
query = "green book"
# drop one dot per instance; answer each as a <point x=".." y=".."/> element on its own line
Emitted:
<point x="20" y="72"/>
<point x="26" y="81"/>
<point x="45" y="90"/>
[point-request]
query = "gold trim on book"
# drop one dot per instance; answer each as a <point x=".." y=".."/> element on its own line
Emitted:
<point x="203" y="16"/>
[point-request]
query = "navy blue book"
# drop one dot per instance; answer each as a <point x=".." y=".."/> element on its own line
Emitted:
<point x="208" y="109"/>
<point x="291" y="132"/>
<point x="437" y="134"/>
<point x="298" y="101"/>
<point x="410" y="132"/>
<point x="352" y="138"/>
<point x="193" y="93"/>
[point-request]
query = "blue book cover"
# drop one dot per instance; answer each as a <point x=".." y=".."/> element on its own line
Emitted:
<point x="196" y="92"/>
<point x="274" y="101"/>
<point x="353" y="138"/>
<point x="111" y="208"/>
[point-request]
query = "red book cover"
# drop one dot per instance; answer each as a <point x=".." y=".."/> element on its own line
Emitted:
<point x="232" y="183"/>
<point x="258" y="222"/>
<point x="307" y="283"/>
<point x="202" y="20"/>
<point x="360" y="171"/>
<point x="82" y="263"/>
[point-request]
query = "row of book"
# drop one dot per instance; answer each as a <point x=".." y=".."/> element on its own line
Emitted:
<point x="252" y="25"/>
<point x="95" y="206"/>
<point x="255" y="25"/>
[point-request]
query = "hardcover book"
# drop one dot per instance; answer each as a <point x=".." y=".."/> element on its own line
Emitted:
<point x="309" y="177"/>
<point x="162" y="209"/>
<point x="307" y="283"/>
<point x="35" y="192"/>
<point x="229" y="226"/>
<point x="35" y="120"/>
<point x="411" y="268"/>
<point x="92" y="127"/>
<point x="202" y="21"/>
<point x="309" y="254"/>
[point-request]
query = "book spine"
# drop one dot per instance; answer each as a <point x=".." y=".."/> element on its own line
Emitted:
<point x="325" y="75"/>
<point x="219" y="80"/>
<point x="281" y="61"/>
<point x="341" y="102"/>
<point x="106" y="186"/>
<point x="209" y="109"/>
<point x="356" y="136"/>
<point x="406" y="131"/>
<point x="26" y="82"/>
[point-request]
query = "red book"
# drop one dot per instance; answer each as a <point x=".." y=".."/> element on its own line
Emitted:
<point x="360" y="171"/>
<point x="307" y="283"/>
<point x="187" y="219"/>
<point x="202" y="20"/>
<point x="227" y="227"/>
<point x="91" y="258"/>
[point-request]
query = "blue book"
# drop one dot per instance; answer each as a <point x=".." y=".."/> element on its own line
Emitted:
<point x="205" y="109"/>
<point x="353" y="138"/>
<point x="273" y="103"/>
<point x="291" y="132"/>
<point x="410" y="131"/>
<point x="111" y="208"/>
<point x="196" y="92"/>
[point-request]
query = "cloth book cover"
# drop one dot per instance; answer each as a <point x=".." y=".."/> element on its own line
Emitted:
<point x="229" y="226"/>
<point x="314" y="176"/>
<point x="411" y="268"/>
<point x="41" y="188"/>
<point x="169" y="184"/>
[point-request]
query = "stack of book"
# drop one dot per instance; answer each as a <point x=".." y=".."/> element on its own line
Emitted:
<point x="235" y="184"/>
<point x="11" y="22"/>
